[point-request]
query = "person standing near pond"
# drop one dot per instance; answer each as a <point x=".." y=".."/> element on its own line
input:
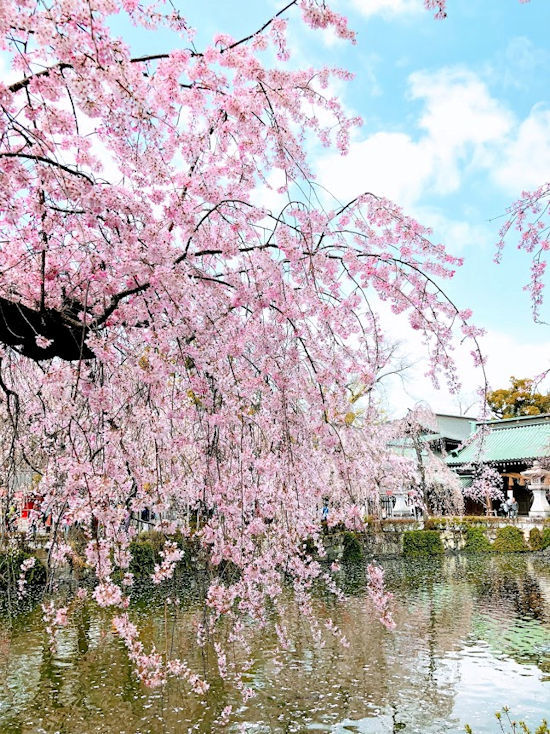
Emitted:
<point x="508" y="505"/>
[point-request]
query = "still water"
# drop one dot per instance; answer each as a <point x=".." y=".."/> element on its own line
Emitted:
<point x="472" y="635"/>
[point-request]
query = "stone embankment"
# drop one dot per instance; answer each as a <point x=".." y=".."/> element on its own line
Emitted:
<point x="384" y="538"/>
<point x="439" y="535"/>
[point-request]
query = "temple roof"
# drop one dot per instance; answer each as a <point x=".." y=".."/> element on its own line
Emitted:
<point x="457" y="427"/>
<point x="514" y="439"/>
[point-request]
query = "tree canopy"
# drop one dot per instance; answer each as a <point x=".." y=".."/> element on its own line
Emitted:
<point x="521" y="398"/>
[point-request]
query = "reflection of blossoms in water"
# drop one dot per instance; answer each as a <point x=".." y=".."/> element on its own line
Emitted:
<point x="488" y="611"/>
<point x="53" y="618"/>
<point x="379" y="595"/>
<point x="152" y="668"/>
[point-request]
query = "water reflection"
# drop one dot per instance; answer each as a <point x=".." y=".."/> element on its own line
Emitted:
<point x="472" y="635"/>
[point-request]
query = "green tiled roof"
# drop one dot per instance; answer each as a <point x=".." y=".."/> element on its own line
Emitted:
<point x="508" y="442"/>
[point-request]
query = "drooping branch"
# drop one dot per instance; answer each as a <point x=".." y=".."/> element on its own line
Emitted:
<point x="23" y="83"/>
<point x="48" y="161"/>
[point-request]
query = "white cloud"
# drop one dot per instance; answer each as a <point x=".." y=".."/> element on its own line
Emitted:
<point x="387" y="8"/>
<point x="526" y="160"/>
<point x="387" y="164"/>
<point x="463" y="127"/>
<point x="460" y="124"/>
<point x="456" y="234"/>
<point x="521" y="62"/>
<point x="7" y="75"/>
<point x="460" y="118"/>
<point x="506" y="356"/>
<point x="458" y="108"/>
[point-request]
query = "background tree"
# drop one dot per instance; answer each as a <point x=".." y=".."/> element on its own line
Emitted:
<point x="437" y="487"/>
<point x="521" y="398"/>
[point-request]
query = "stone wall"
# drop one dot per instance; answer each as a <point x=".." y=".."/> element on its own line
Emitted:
<point x="453" y="530"/>
<point x="385" y="538"/>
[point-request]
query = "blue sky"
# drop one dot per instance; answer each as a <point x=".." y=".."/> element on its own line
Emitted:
<point x="456" y="123"/>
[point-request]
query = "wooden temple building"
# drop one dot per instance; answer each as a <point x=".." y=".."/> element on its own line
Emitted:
<point x="510" y="446"/>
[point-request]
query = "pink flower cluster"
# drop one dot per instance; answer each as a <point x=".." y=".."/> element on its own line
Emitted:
<point x="108" y="594"/>
<point x="380" y="597"/>
<point x="26" y="565"/>
<point x="528" y="216"/>
<point x="171" y="554"/>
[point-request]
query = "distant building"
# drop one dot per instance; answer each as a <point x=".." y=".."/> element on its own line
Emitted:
<point x="510" y="446"/>
<point x="452" y="430"/>
<point x="428" y="447"/>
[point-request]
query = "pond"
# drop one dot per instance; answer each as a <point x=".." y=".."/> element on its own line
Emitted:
<point x="472" y="635"/>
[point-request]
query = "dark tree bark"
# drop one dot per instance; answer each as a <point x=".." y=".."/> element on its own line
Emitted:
<point x="20" y="325"/>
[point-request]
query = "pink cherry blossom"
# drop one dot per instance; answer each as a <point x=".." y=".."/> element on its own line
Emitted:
<point x="26" y="565"/>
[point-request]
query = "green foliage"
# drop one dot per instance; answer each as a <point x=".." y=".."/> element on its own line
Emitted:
<point x="435" y="523"/>
<point x="477" y="541"/>
<point x="519" y="399"/>
<point x="145" y="553"/>
<point x="309" y="547"/>
<point x="144" y="557"/>
<point x="422" y="543"/>
<point x="353" y="550"/>
<point x="545" y="538"/>
<point x="535" y="539"/>
<point x="509" y="539"/>
<point x="10" y="567"/>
